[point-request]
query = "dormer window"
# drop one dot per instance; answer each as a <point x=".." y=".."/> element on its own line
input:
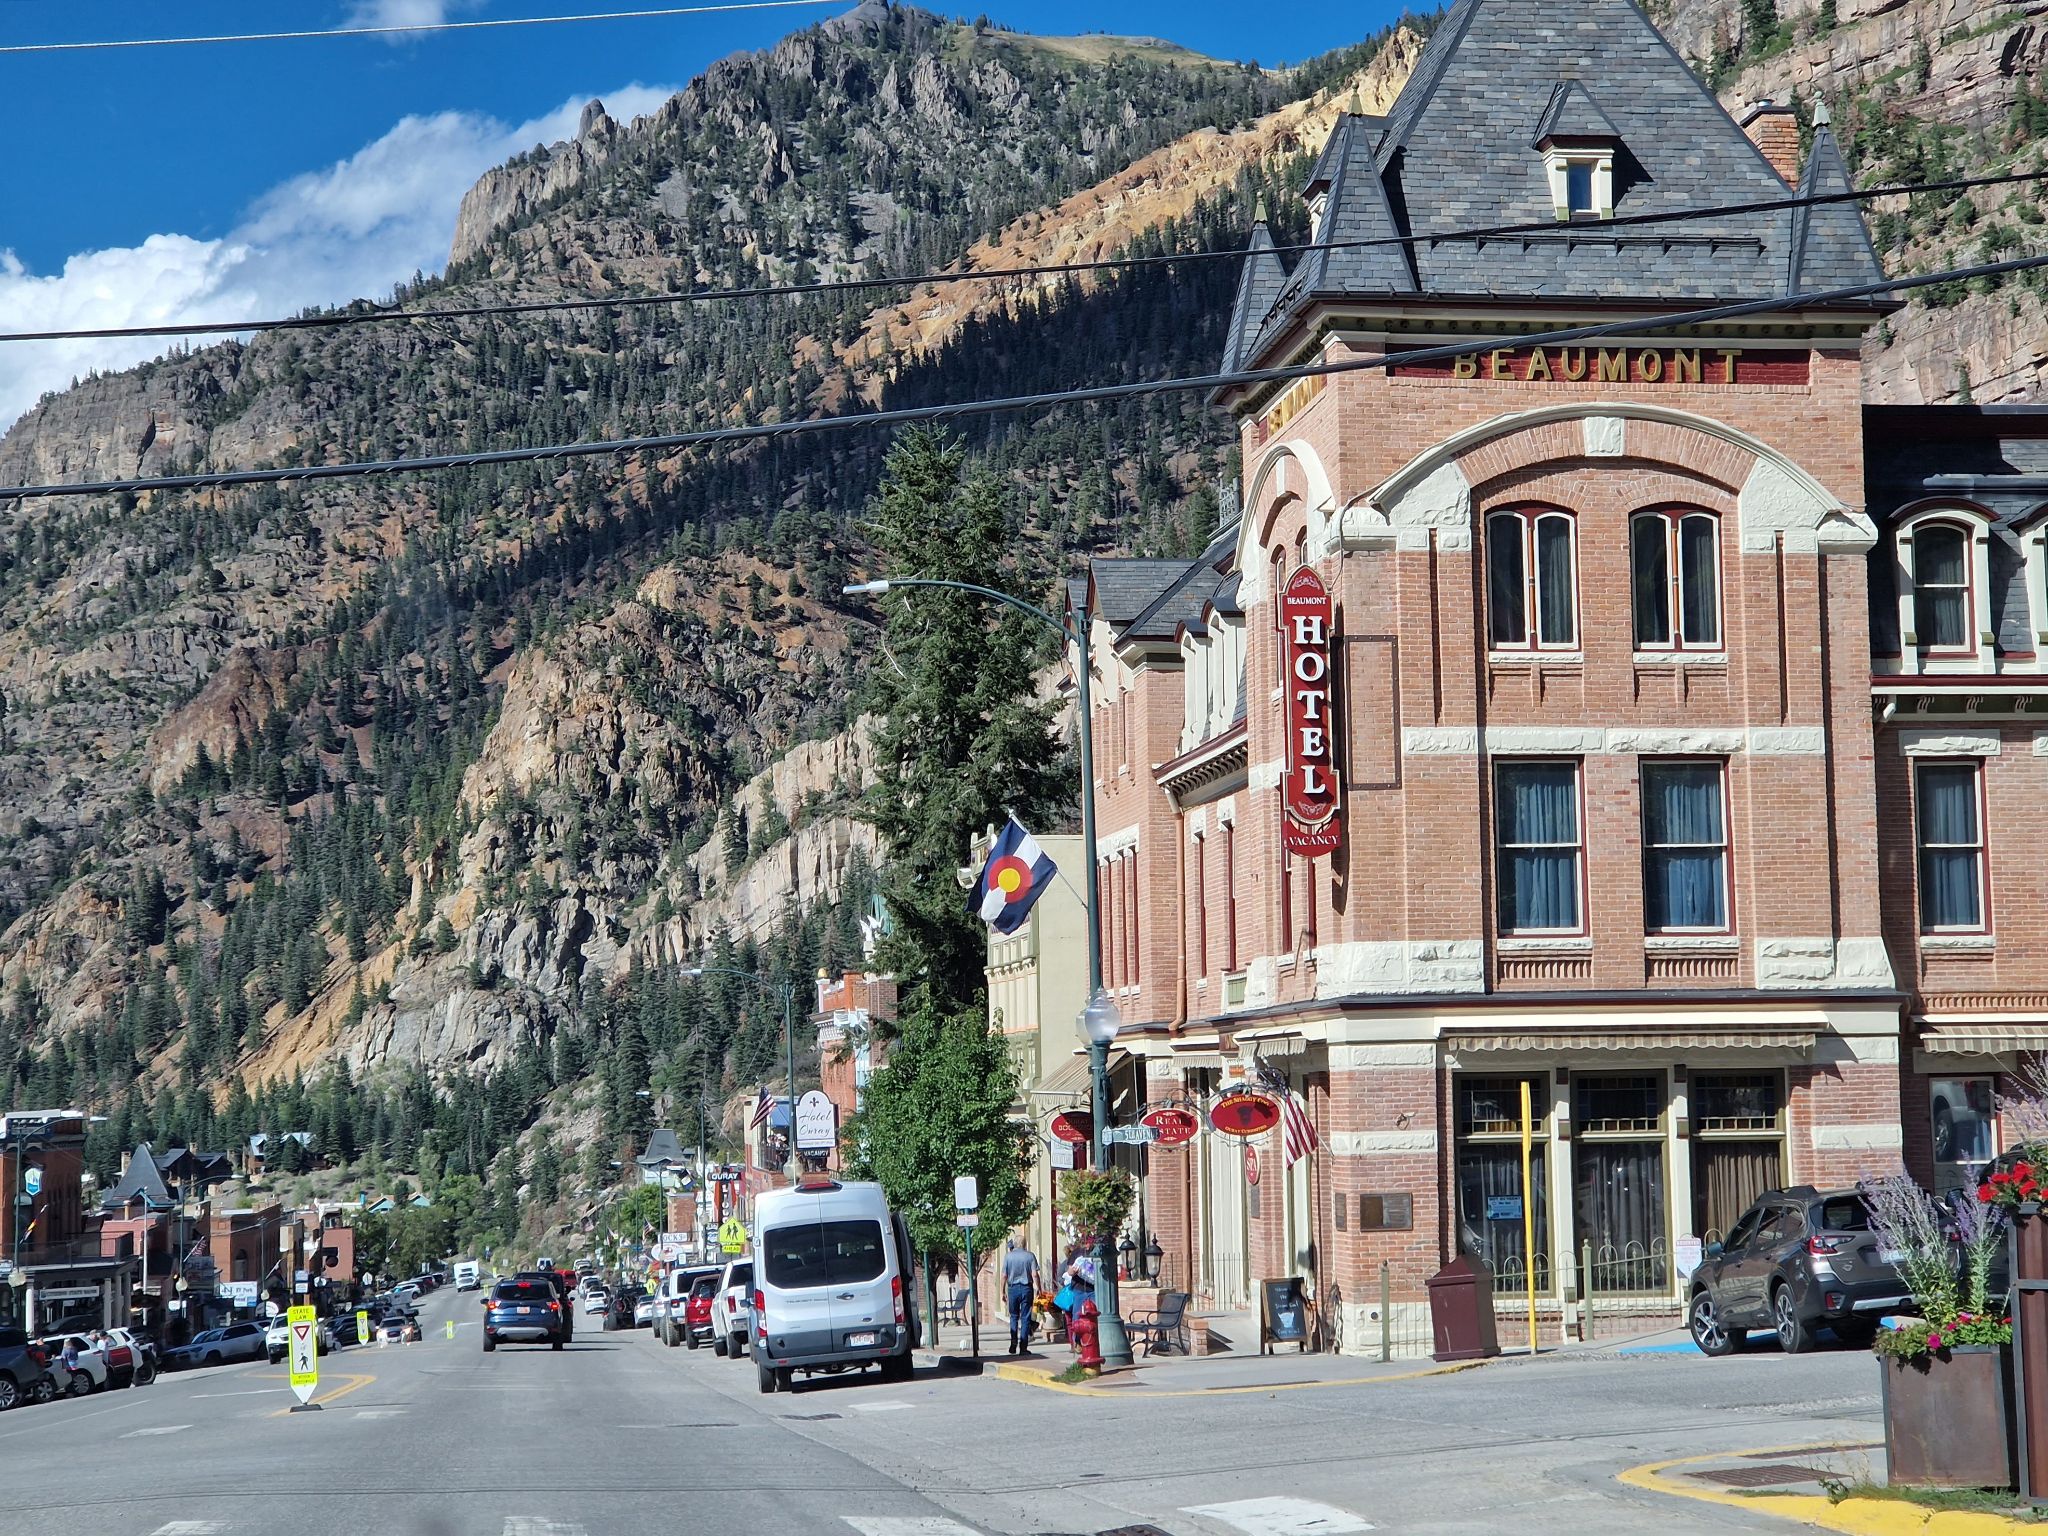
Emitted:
<point x="1578" y="143"/>
<point x="1318" y="205"/>
<point x="1945" y="589"/>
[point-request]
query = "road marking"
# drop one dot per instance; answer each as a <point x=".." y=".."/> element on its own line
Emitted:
<point x="352" y="1384"/>
<point x="882" y="1407"/>
<point x="378" y="1413"/>
<point x="907" y="1525"/>
<point x="1281" y="1517"/>
<point x="253" y="1392"/>
<point x="190" y="1528"/>
<point x="157" y="1429"/>
<point x="535" y="1525"/>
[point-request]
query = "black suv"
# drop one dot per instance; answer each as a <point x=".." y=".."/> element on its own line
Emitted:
<point x="1799" y="1259"/>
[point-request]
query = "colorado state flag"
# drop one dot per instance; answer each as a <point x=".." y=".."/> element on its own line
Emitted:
<point x="1016" y="872"/>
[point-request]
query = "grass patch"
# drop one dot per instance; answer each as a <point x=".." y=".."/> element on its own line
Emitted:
<point x="1976" y="1501"/>
<point x="1074" y="1375"/>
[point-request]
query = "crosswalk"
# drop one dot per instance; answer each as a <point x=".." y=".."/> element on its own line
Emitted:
<point x="1281" y="1517"/>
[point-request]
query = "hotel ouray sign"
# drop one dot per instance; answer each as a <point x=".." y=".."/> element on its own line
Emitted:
<point x="1308" y="795"/>
<point x="1611" y="365"/>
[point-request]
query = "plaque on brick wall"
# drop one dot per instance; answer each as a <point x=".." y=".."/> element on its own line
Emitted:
<point x="1386" y="1213"/>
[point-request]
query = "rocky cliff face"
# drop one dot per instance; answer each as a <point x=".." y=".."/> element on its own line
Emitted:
<point x="520" y="188"/>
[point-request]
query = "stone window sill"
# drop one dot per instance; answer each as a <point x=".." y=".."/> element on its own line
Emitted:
<point x="1537" y="944"/>
<point x="1681" y="658"/>
<point x="1536" y="658"/>
<point x="1693" y="943"/>
<point x="1957" y="943"/>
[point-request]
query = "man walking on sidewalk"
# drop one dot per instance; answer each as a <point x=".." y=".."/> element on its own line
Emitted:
<point x="1020" y="1286"/>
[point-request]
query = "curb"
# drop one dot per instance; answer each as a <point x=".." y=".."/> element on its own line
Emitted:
<point x="1855" y="1517"/>
<point x="1110" y="1386"/>
<point x="954" y="1365"/>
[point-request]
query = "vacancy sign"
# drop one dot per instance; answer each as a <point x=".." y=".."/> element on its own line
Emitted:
<point x="304" y="1351"/>
<point x="1308" y="795"/>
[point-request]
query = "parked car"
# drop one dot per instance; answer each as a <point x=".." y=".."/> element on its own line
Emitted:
<point x="643" y="1311"/>
<point x="86" y="1372"/>
<point x="732" y="1309"/>
<point x="132" y="1358"/>
<point x="524" y="1310"/>
<point x="24" y="1369"/>
<point x="672" y="1300"/>
<point x="218" y="1346"/>
<point x="832" y="1283"/>
<point x="277" y="1337"/>
<point x="1798" y="1260"/>
<point x="697" y="1310"/>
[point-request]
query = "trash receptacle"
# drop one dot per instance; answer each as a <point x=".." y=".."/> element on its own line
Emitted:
<point x="1461" y="1310"/>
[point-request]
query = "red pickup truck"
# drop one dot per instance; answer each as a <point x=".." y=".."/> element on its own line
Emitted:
<point x="697" y="1310"/>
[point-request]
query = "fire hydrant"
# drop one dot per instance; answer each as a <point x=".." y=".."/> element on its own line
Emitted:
<point x="1087" y="1340"/>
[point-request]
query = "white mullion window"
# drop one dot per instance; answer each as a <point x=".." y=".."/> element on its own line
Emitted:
<point x="1675" y="579"/>
<point x="1532" y="580"/>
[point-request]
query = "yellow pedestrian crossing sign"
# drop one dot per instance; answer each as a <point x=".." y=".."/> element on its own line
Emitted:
<point x="732" y="1235"/>
<point x="304" y="1350"/>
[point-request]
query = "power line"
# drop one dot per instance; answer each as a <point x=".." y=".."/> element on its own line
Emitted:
<point x="1479" y="233"/>
<point x="409" y="28"/>
<point x="676" y="441"/>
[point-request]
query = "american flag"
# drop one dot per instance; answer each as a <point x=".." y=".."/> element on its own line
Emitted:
<point x="763" y="1107"/>
<point x="1298" y="1137"/>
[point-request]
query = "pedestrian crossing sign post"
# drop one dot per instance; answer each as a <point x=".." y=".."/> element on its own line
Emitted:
<point x="732" y="1235"/>
<point x="304" y="1353"/>
<point x="362" y="1326"/>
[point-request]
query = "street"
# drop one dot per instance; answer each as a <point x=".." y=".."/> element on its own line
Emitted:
<point x="617" y="1434"/>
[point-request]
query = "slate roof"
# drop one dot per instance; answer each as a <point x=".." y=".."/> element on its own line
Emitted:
<point x="1572" y="114"/>
<point x="662" y="1147"/>
<point x="1126" y="588"/>
<point x="1456" y="151"/>
<point x="1830" y="246"/>
<point x="1259" y="281"/>
<point x="139" y="1181"/>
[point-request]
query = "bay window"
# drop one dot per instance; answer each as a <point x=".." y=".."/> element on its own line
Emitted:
<point x="1949" y="823"/>
<point x="1531" y="580"/>
<point x="1685" y="847"/>
<point x="1675" y="579"/>
<point x="1538" y="847"/>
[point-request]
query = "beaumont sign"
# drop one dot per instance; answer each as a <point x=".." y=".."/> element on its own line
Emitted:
<point x="1613" y="365"/>
<point x="1309" y="792"/>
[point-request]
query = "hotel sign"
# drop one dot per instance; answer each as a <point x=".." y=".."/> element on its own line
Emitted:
<point x="1612" y="365"/>
<point x="1308" y="795"/>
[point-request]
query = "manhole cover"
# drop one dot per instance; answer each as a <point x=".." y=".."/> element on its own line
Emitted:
<point x="1760" y="1477"/>
<point x="808" y="1418"/>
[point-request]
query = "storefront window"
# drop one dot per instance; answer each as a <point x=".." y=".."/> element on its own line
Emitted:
<point x="1964" y="1115"/>
<point x="1489" y="1141"/>
<point x="1738" y="1146"/>
<point x="1618" y="1180"/>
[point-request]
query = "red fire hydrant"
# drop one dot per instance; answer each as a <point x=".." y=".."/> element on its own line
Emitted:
<point x="1087" y="1342"/>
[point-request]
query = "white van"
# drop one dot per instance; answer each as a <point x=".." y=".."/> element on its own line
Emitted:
<point x="468" y="1274"/>
<point x="834" y="1288"/>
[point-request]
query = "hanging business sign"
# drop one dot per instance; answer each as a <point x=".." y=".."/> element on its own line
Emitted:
<point x="1251" y="1165"/>
<point x="1308" y="795"/>
<point x="1244" y="1114"/>
<point x="1171" y="1127"/>
<point x="817" y="1123"/>
<point x="1073" y="1125"/>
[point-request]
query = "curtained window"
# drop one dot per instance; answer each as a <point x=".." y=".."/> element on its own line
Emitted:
<point x="1536" y="828"/>
<point x="1531" y="580"/>
<point x="1941" y="588"/>
<point x="1951" y="833"/>
<point x="1675" y="579"/>
<point x="1685" y="847"/>
<point x="1489" y="1175"/>
<point x="1738" y="1146"/>
<point x="1618" y="1179"/>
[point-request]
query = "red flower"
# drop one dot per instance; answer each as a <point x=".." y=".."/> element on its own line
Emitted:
<point x="1986" y="1193"/>
<point x="2024" y="1170"/>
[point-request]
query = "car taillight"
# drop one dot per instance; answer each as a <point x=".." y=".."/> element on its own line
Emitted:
<point x="761" y="1313"/>
<point x="554" y="1306"/>
<point x="896" y="1295"/>
<point x="1823" y="1246"/>
<point x="38" y="1354"/>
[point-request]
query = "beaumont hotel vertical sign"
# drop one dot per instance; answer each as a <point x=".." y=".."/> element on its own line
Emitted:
<point x="1308" y="794"/>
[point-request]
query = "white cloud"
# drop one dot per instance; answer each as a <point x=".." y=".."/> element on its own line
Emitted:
<point x="405" y="13"/>
<point x="346" y="232"/>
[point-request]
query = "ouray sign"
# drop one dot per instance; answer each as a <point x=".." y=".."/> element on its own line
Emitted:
<point x="1309" y="825"/>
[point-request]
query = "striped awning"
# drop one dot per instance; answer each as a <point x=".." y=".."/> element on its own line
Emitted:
<point x="1634" y="1040"/>
<point x="1070" y="1079"/>
<point x="1985" y="1039"/>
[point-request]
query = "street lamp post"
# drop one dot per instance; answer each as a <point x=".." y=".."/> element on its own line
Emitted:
<point x="788" y="991"/>
<point x="1100" y="1016"/>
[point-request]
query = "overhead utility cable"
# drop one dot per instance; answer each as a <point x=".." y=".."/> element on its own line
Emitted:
<point x="409" y="28"/>
<point x="1588" y="231"/>
<point x="676" y="441"/>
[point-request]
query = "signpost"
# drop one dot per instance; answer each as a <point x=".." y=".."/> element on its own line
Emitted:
<point x="967" y="1213"/>
<point x="1131" y="1135"/>
<point x="817" y="1123"/>
<point x="362" y="1327"/>
<point x="304" y="1354"/>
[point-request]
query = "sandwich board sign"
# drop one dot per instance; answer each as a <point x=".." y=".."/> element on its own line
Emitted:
<point x="304" y="1353"/>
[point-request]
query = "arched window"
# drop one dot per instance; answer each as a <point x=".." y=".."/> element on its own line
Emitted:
<point x="1532" y="580"/>
<point x="1943" y="606"/>
<point x="1675" y="579"/>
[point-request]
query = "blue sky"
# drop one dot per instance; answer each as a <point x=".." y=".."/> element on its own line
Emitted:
<point x="161" y="184"/>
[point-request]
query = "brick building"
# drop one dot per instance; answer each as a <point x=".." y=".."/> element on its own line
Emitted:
<point x="1563" y="767"/>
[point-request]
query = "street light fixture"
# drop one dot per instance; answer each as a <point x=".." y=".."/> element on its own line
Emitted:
<point x="788" y="991"/>
<point x="1100" y="1014"/>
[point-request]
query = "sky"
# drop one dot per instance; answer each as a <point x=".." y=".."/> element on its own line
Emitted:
<point x="155" y="185"/>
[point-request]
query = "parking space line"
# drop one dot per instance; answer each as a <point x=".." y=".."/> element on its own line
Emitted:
<point x="155" y="1429"/>
<point x="1281" y="1517"/>
<point x="907" y="1525"/>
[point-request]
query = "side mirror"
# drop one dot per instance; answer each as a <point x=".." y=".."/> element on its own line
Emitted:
<point x="1714" y="1250"/>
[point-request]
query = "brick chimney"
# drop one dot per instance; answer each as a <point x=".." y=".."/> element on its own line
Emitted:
<point x="1775" y="130"/>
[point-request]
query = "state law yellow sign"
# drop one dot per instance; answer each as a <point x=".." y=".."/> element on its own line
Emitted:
<point x="732" y="1235"/>
<point x="304" y="1351"/>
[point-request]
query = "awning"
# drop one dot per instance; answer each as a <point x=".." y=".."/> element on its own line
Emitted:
<point x="1070" y="1079"/>
<point x="1985" y="1039"/>
<point x="1635" y="1040"/>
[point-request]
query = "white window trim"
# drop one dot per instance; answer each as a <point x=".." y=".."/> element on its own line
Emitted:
<point x="1672" y="519"/>
<point x="1528" y="521"/>
<point x="1555" y="162"/>
<point x="1982" y="656"/>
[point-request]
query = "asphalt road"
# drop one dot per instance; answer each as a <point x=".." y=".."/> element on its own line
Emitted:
<point x="617" y="1434"/>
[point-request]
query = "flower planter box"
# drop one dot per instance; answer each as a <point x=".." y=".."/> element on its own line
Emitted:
<point x="1948" y="1418"/>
